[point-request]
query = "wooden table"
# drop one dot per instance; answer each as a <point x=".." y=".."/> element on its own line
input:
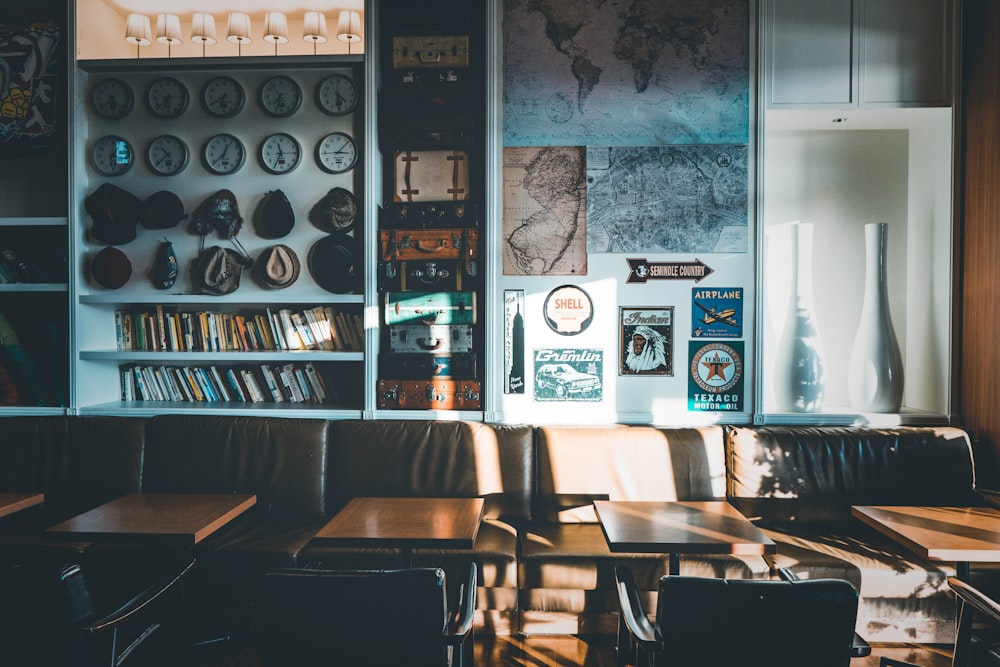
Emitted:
<point x="710" y="527"/>
<point x="963" y="535"/>
<point x="181" y="519"/>
<point x="408" y="523"/>
<point x="15" y="502"/>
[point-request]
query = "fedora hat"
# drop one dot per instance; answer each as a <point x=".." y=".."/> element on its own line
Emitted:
<point x="276" y="267"/>
<point x="333" y="263"/>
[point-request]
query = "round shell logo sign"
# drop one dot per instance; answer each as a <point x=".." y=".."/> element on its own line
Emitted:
<point x="715" y="383"/>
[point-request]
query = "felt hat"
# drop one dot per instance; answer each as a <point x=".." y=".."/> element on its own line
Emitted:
<point x="111" y="268"/>
<point x="276" y="217"/>
<point x="336" y="211"/>
<point x="116" y="214"/>
<point x="276" y="267"/>
<point x="164" y="209"/>
<point x="218" y="270"/>
<point x="333" y="263"/>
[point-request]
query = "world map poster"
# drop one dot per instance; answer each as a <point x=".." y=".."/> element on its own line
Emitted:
<point x="626" y="72"/>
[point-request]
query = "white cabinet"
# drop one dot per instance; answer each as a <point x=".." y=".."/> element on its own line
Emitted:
<point x="865" y="53"/>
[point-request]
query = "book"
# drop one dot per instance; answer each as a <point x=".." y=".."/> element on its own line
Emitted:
<point x="220" y="384"/>
<point x="119" y="332"/>
<point x="173" y="392"/>
<point x="331" y="315"/>
<point x="308" y="340"/>
<point x="316" y="382"/>
<point x="182" y="383"/>
<point x="155" y="392"/>
<point x="274" y="324"/>
<point x="251" y="384"/>
<point x="303" y="382"/>
<point x="272" y="381"/>
<point x="316" y="319"/>
<point x="204" y="383"/>
<point x="161" y="328"/>
<point x="288" y="378"/>
<point x="193" y="383"/>
<point x="288" y="332"/>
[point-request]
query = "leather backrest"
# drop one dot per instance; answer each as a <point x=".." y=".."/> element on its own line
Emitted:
<point x="721" y="623"/>
<point x="30" y="451"/>
<point x="103" y="460"/>
<point x="788" y="474"/>
<point x="577" y="465"/>
<point x="283" y="461"/>
<point x="359" y="617"/>
<point x="407" y="458"/>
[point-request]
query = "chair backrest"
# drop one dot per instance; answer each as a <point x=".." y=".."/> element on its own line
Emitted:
<point x="720" y="623"/>
<point x="362" y="617"/>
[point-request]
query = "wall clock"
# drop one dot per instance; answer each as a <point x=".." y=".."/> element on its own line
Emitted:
<point x="279" y="153"/>
<point x="112" y="155"/>
<point x="223" y="97"/>
<point x="112" y="98"/>
<point x="223" y="154"/>
<point x="337" y="95"/>
<point x="280" y="96"/>
<point x="336" y="153"/>
<point x="167" y="97"/>
<point x="167" y="155"/>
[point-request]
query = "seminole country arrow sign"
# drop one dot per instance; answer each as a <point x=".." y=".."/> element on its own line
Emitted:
<point x="642" y="270"/>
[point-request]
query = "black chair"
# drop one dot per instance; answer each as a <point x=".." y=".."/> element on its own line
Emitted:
<point x="50" y="614"/>
<point x="365" y="617"/>
<point x="720" y="623"/>
<point x="975" y="643"/>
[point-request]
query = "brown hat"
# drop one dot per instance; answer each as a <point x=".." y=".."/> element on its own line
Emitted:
<point x="276" y="267"/>
<point x="111" y="268"/>
<point x="217" y="270"/>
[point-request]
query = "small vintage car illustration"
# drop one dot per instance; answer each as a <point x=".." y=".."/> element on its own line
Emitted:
<point x="564" y="380"/>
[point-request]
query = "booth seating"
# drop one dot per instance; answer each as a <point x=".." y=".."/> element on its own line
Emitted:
<point x="543" y="563"/>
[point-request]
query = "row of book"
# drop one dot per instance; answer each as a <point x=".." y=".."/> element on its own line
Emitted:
<point x="166" y="329"/>
<point x="291" y="383"/>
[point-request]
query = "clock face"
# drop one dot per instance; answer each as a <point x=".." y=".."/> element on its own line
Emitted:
<point x="112" y="98"/>
<point x="167" y="97"/>
<point x="280" y="96"/>
<point x="112" y="155"/>
<point x="223" y="154"/>
<point x="280" y="153"/>
<point x="336" y="153"/>
<point x="167" y="155"/>
<point x="223" y="97"/>
<point x="337" y="95"/>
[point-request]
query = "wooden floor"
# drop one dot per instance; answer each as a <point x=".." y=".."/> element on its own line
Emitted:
<point x="566" y="651"/>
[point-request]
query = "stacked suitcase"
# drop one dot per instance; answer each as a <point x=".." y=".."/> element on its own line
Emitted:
<point x="429" y="271"/>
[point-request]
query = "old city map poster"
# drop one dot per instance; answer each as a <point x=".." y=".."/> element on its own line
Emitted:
<point x="544" y="211"/>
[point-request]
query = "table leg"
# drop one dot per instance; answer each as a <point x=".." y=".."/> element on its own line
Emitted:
<point x="675" y="564"/>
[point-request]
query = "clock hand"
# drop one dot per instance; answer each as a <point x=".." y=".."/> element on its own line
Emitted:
<point x="224" y="153"/>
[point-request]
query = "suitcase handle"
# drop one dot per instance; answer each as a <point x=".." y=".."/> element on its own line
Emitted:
<point x="429" y="344"/>
<point x="442" y="245"/>
<point x="429" y="57"/>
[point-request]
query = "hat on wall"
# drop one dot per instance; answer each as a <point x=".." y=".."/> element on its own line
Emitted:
<point x="164" y="209"/>
<point x="276" y="267"/>
<point x="336" y="211"/>
<point x="333" y="263"/>
<point x="276" y="217"/>
<point x="218" y="270"/>
<point x="164" y="273"/>
<point x="111" y="268"/>
<point x="116" y="214"/>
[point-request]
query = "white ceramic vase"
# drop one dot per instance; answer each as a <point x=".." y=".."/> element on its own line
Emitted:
<point x="800" y="368"/>
<point x="875" y="371"/>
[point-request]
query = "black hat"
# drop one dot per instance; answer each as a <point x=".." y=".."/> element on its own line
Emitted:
<point x="116" y="214"/>
<point x="276" y="217"/>
<point x="219" y="211"/>
<point x="164" y="209"/>
<point x="164" y="266"/>
<point x="333" y="263"/>
<point x="111" y="268"/>
<point x="276" y="267"/>
<point x="336" y="211"/>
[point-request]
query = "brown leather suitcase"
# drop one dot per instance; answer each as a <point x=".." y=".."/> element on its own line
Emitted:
<point x="430" y="176"/>
<point x="430" y="51"/>
<point x="429" y="394"/>
<point x="428" y="244"/>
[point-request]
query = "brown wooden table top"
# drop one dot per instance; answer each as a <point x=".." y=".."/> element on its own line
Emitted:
<point x="179" y="518"/>
<point x="447" y="523"/>
<point x="15" y="502"/>
<point x="711" y="527"/>
<point x="969" y="534"/>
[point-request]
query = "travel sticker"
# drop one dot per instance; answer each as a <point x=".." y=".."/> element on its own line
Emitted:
<point x="569" y="374"/>
<point x="717" y="312"/>
<point x="715" y="382"/>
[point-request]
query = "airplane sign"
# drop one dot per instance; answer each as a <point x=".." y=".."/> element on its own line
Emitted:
<point x="717" y="312"/>
<point x="713" y="315"/>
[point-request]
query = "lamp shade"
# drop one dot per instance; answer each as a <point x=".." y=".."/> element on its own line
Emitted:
<point x="203" y="29"/>
<point x="314" y="27"/>
<point x="137" y="30"/>
<point x="349" y="27"/>
<point x="168" y="29"/>
<point x="275" y="28"/>
<point x="239" y="28"/>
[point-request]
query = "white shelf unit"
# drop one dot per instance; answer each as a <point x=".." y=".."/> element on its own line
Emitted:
<point x="94" y="348"/>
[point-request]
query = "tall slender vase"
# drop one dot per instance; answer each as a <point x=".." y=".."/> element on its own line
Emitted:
<point x="875" y="371"/>
<point x="800" y="368"/>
